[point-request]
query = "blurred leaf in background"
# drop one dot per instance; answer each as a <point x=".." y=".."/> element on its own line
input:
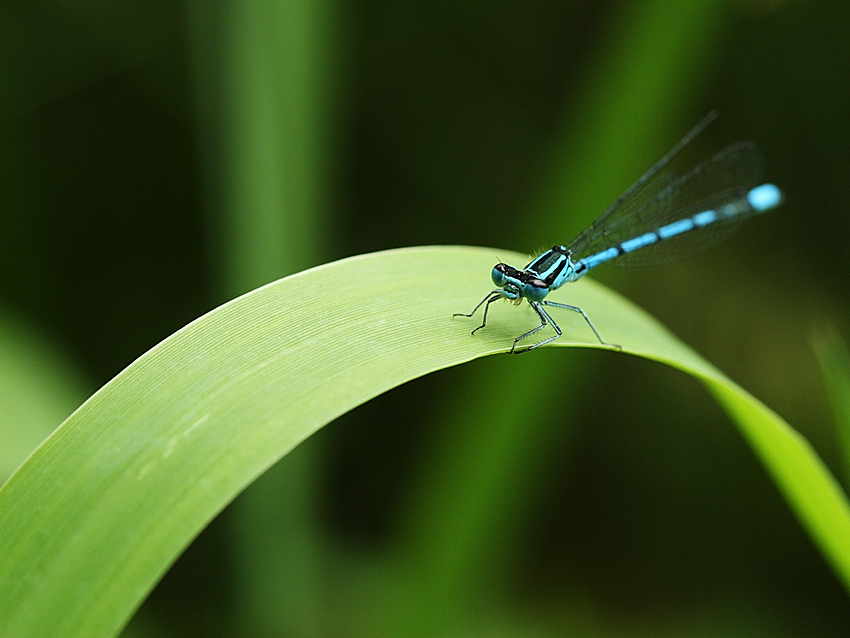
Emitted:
<point x="834" y="359"/>
<point x="265" y="82"/>
<point x="39" y="387"/>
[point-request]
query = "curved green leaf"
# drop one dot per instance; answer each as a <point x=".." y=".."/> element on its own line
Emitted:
<point x="97" y="514"/>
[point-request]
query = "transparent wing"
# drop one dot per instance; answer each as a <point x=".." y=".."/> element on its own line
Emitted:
<point x="647" y="189"/>
<point x="724" y="178"/>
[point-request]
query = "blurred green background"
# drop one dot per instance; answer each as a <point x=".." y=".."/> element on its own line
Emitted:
<point x="159" y="158"/>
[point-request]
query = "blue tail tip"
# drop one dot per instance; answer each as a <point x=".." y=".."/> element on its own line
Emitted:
<point x="765" y="197"/>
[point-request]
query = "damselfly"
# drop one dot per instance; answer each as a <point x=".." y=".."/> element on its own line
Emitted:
<point x="661" y="218"/>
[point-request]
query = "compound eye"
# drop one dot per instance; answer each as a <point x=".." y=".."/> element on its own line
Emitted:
<point x="499" y="275"/>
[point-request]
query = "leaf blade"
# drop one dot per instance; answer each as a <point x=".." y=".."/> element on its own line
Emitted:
<point x="99" y="512"/>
